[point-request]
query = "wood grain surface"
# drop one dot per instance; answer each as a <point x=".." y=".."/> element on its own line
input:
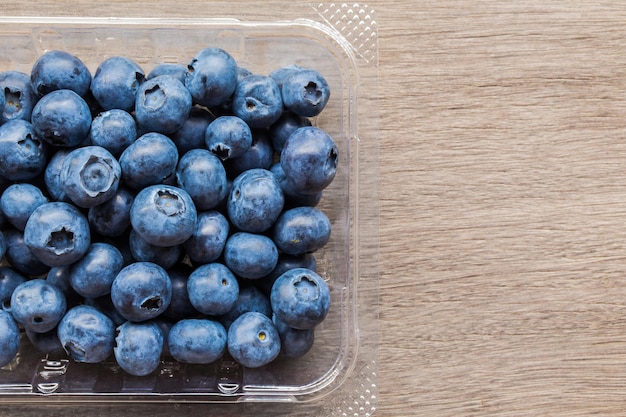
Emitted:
<point x="502" y="206"/>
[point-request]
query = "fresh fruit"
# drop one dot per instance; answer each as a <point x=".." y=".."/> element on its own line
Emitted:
<point x="177" y="207"/>
<point x="253" y="340"/>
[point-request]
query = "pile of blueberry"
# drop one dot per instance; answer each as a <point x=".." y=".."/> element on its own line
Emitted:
<point x="168" y="214"/>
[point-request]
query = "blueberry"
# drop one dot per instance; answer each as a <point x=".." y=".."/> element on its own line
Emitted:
<point x="163" y="215"/>
<point x="138" y="347"/>
<point x="213" y="289"/>
<point x="86" y="334"/>
<point x="141" y="291"/>
<point x="197" y="341"/>
<point x="19" y="96"/>
<point x="90" y="176"/>
<point x="60" y="70"/>
<point x="209" y="237"/>
<point x="164" y="256"/>
<point x="150" y="160"/>
<point x="19" y="201"/>
<point x="203" y="176"/>
<point x="3" y="245"/>
<point x="114" y="130"/>
<point x="191" y="133"/>
<point x="253" y="340"/>
<point x="180" y="306"/>
<point x="300" y="298"/>
<point x="9" y="338"/>
<point x="20" y="257"/>
<point x="211" y="77"/>
<point x="284" y="127"/>
<point x="250" y="299"/>
<point x="175" y="70"/>
<point x="162" y="104"/>
<point x="309" y="159"/>
<point x="93" y="275"/>
<point x="305" y="92"/>
<point x="260" y="154"/>
<point x="105" y="305"/>
<point x="59" y="276"/>
<point x="294" y="343"/>
<point x="112" y="218"/>
<point x="38" y="305"/>
<point x="228" y="137"/>
<point x="301" y="230"/>
<point x="62" y="118"/>
<point x="57" y="234"/>
<point x="9" y="280"/>
<point x="257" y="100"/>
<point x="250" y="255"/>
<point x="115" y="83"/>
<point x="255" y="201"/>
<point x="22" y="154"/>
<point x="52" y="176"/>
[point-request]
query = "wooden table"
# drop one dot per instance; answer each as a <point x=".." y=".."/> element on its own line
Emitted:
<point x="502" y="205"/>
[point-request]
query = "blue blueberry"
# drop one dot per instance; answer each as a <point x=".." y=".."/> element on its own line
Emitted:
<point x="250" y="255"/>
<point x="138" y="347"/>
<point x="175" y="70"/>
<point x="38" y="305"/>
<point x="163" y="215"/>
<point x="199" y="341"/>
<point x="301" y="230"/>
<point x="90" y="176"/>
<point x="60" y="70"/>
<point x="57" y="234"/>
<point x="228" y="137"/>
<point x="86" y="334"/>
<point x="105" y="305"/>
<point x="294" y="343"/>
<point x="213" y="289"/>
<point x="260" y="154"/>
<point x="255" y="201"/>
<point x="250" y="299"/>
<point x="3" y="245"/>
<point x="59" y="276"/>
<point x="19" y="201"/>
<point x="284" y="127"/>
<point x="9" y="338"/>
<point x="253" y="340"/>
<point x="162" y="104"/>
<point x="180" y="306"/>
<point x="112" y="218"/>
<point x="292" y="197"/>
<point x="9" y="280"/>
<point x="300" y="298"/>
<point x="150" y="160"/>
<point x="257" y="100"/>
<point x="115" y="83"/>
<point x="93" y="275"/>
<point x="305" y="92"/>
<point x="20" y="257"/>
<point x="52" y="175"/>
<point x="191" y="133"/>
<point x="141" y="291"/>
<point x="142" y="251"/>
<point x="309" y="159"/>
<point x="211" y="77"/>
<point x="22" y="154"/>
<point x="19" y="96"/>
<point x="62" y="118"/>
<point x="280" y="74"/>
<point x="209" y="237"/>
<point x="114" y="130"/>
<point x="203" y="176"/>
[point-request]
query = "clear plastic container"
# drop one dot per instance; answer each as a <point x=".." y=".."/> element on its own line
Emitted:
<point x="338" y="376"/>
